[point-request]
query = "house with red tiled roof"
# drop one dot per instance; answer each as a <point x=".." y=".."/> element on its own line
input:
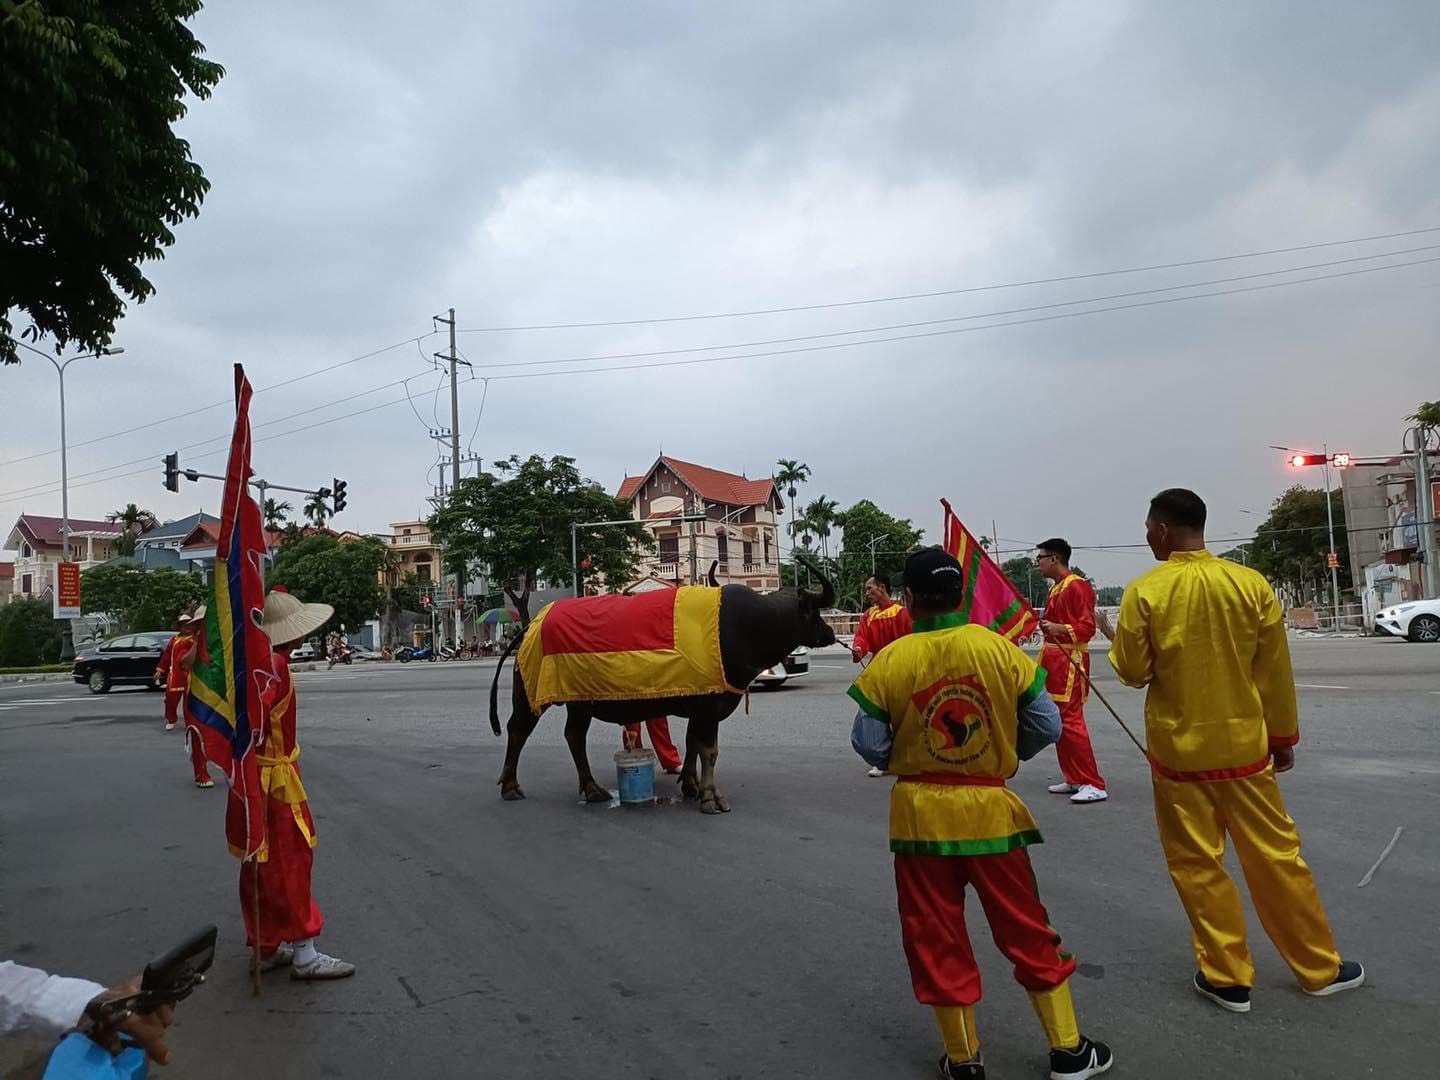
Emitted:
<point x="37" y="543"/>
<point x="740" y="530"/>
<point x="7" y="581"/>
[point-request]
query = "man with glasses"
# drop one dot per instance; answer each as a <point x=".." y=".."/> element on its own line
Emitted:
<point x="1068" y="626"/>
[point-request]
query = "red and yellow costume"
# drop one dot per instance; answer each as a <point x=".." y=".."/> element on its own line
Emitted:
<point x="278" y="878"/>
<point x="174" y="671"/>
<point x="1207" y="638"/>
<point x="879" y="627"/>
<point x="1071" y="607"/>
<point x="659" y="729"/>
<point x="950" y="693"/>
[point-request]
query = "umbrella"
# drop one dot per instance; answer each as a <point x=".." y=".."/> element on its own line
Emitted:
<point x="497" y="616"/>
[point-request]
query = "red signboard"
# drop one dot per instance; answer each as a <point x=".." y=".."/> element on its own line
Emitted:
<point x="67" y="590"/>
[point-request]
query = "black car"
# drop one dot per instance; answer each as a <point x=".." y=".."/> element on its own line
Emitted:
<point x="129" y="660"/>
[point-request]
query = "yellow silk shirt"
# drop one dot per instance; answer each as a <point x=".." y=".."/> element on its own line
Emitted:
<point x="950" y="693"/>
<point x="1206" y="637"/>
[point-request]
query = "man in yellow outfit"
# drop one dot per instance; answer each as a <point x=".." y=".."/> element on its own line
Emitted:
<point x="951" y="709"/>
<point x="1206" y="637"/>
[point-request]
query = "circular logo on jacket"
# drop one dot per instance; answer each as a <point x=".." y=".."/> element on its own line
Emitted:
<point x="957" y="723"/>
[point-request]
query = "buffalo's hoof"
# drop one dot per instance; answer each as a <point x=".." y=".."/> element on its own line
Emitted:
<point x="512" y="793"/>
<point x="689" y="788"/>
<point x="594" y="793"/>
<point x="714" y="803"/>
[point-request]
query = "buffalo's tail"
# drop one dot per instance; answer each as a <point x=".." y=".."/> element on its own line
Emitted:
<point x="495" y="683"/>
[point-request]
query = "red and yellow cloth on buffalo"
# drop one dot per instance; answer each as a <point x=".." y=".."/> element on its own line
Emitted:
<point x="625" y="648"/>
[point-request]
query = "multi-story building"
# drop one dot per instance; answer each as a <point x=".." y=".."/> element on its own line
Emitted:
<point x="740" y="530"/>
<point x="1384" y="531"/>
<point x="416" y="551"/>
<point x="38" y="545"/>
<point x="7" y="581"/>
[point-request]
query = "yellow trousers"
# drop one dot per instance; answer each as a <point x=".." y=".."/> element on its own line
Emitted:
<point x="1194" y="819"/>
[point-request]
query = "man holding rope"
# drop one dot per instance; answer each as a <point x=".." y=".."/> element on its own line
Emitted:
<point x="1206" y="637"/>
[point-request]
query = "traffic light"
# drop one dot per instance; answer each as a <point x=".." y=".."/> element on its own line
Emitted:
<point x="1300" y="461"/>
<point x="1340" y="461"/>
<point x="339" y="490"/>
<point x="172" y="471"/>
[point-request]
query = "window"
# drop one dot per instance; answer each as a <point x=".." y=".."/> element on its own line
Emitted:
<point x="723" y="543"/>
<point x="767" y="547"/>
<point x="26" y="552"/>
<point x="25" y="587"/>
<point x="669" y="549"/>
<point x="749" y="551"/>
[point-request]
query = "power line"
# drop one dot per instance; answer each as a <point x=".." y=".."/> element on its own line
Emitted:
<point x="949" y="292"/>
<point x="961" y="329"/>
<point x="958" y="318"/>
<point x="188" y="413"/>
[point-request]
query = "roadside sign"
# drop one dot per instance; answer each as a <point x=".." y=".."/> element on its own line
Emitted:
<point x="66" y="593"/>
<point x="1332" y="560"/>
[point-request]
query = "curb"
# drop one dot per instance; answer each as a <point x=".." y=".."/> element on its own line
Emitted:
<point x="38" y="677"/>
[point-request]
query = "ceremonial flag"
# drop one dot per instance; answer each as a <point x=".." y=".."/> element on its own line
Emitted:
<point x="233" y="662"/>
<point x="991" y="599"/>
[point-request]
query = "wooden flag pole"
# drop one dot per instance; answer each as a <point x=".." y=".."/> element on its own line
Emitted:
<point x="1110" y="708"/>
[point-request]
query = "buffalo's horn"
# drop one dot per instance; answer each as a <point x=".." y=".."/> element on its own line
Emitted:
<point x="827" y="589"/>
<point x="714" y="581"/>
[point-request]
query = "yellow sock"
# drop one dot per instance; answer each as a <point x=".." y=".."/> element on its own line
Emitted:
<point x="957" y="1029"/>
<point x="1056" y="1011"/>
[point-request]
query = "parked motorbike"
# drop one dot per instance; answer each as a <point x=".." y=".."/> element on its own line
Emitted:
<point x="406" y="654"/>
<point x="101" y="1052"/>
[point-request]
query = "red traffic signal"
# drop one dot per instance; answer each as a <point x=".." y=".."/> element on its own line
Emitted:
<point x="1300" y="461"/>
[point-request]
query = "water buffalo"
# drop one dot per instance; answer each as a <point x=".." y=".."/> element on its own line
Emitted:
<point x="756" y="632"/>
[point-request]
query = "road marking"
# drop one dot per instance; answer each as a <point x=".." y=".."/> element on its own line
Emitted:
<point x="832" y="667"/>
<point x="1319" y="686"/>
<point x="11" y="704"/>
<point x="1388" y="848"/>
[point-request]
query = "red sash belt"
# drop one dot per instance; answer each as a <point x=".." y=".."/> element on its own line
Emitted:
<point x="954" y="779"/>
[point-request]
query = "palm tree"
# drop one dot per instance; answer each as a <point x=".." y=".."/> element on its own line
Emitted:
<point x="820" y="516"/>
<point x="788" y="476"/>
<point x="1427" y="415"/>
<point x="135" y="521"/>
<point x="317" y="509"/>
<point x="276" y="514"/>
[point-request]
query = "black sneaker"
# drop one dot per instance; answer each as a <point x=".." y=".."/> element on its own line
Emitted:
<point x="961" y="1070"/>
<point x="1350" y="975"/>
<point x="1088" y="1059"/>
<point x="1234" y="999"/>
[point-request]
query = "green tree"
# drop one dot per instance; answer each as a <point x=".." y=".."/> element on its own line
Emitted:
<point x="516" y="520"/>
<point x="92" y="174"/>
<point x="321" y="570"/>
<point x="135" y="521"/>
<point x="137" y="598"/>
<point x="820" y="517"/>
<point x="276" y="514"/>
<point x="1024" y="574"/>
<point x="29" y="634"/>
<point x="892" y="539"/>
<point x="1109" y="595"/>
<point x="1290" y="548"/>
<point x="1427" y="415"/>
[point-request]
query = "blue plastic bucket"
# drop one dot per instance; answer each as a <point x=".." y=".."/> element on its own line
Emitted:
<point x="635" y="773"/>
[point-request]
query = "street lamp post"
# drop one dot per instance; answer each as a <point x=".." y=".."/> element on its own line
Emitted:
<point x="67" y="643"/>
<point x="873" y="541"/>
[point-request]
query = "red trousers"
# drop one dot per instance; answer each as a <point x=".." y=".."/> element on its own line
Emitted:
<point x="1077" y="758"/>
<point x="931" y="890"/>
<point x="286" y="911"/>
<point x="659" y="735"/>
<point x="174" y="702"/>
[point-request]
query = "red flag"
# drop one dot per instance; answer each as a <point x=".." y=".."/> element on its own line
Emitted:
<point x="991" y="599"/>
<point x="234" y="666"/>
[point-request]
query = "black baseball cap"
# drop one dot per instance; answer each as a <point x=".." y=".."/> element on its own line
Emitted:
<point x="931" y="570"/>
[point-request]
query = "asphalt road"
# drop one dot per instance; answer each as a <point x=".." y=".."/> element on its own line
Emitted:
<point x="552" y="939"/>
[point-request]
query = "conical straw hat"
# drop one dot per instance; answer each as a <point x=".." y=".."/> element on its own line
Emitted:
<point x="287" y="619"/>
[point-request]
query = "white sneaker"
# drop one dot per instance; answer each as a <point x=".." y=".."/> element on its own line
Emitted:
<point x="875" y="771"/>
<point x="169" y="727"/>
<point x="1089" y="793"/>
<point x="1062" y="788"/>
<point x="283" y="956"/>
<point x="322" y="967"/>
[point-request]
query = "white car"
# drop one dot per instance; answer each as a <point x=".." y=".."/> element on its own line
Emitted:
<point x="1418" y="620"/>
<point x="794" y="666"/>
<point x="306" y="650"/>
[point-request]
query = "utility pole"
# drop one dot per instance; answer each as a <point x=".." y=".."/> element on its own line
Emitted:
<point x="1425" y="511"/>
<point x="1334" y="572"/>
<point x="454" y="361"/>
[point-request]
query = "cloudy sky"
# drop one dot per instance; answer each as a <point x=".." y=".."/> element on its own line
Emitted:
<point x="542" y="162"/>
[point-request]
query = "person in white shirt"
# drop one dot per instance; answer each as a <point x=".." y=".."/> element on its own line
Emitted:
<point x="37" y="1004"/>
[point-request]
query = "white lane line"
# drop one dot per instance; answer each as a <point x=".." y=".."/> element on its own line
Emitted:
<point x="1388" y="848"/>
<point x="832" y="667"/>
<point x="1319" y="686"/>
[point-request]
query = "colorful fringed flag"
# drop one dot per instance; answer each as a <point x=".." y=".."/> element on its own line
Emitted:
<point x="991" y="599"/>
<point x="233" y="662"/>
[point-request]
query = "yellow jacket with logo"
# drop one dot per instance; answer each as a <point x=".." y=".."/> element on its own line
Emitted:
<point x="1206" y="637"/>
<point x="950" y="693"/>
